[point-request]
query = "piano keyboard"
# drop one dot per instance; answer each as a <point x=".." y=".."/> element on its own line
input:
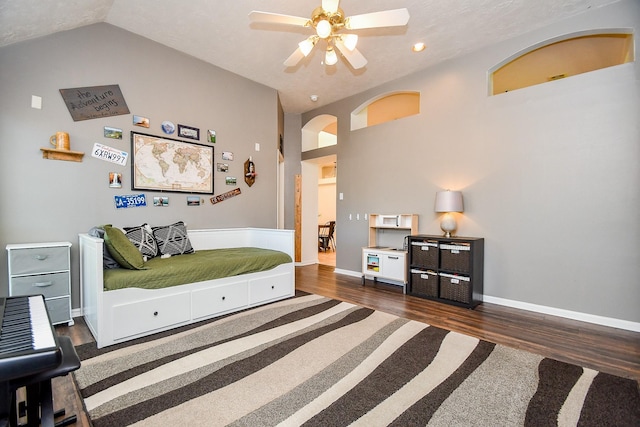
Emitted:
<point x="28" y="342"/>
<point x="25" y="325"/>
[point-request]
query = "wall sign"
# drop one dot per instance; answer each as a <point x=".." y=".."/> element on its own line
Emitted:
<point x="93" y="102"/>
<point x="224" y="196"/>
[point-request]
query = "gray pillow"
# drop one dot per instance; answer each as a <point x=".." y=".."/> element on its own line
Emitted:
<point x="107" y="259"/>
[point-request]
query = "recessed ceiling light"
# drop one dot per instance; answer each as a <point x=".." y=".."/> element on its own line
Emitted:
<point x="418" y="47"/>
<point x="314" y="98"/>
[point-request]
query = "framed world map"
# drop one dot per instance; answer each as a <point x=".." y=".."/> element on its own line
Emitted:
<point x="163" y="164"/>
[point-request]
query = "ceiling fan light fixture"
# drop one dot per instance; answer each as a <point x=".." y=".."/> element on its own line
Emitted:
<point x="323" y="28"/>
<point x="350" y="41"/>
<point x="330" y="57"/>
<point x="307" y="45"/>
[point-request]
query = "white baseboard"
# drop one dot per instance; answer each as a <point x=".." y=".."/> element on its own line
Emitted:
<point x="567" y="314"/>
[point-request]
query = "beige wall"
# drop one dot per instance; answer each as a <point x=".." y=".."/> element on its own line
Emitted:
<point x="45" y="200"/>
<point x="550" y="174"/>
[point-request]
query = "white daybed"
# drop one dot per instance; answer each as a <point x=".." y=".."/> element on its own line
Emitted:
<point x="120" y="315"/>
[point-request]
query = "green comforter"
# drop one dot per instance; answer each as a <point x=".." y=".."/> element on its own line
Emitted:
<point x="196" y="267"/>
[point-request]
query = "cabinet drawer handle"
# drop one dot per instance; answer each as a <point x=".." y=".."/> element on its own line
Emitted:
<point x="42" y="284"/>
<point x="224" y="298"/>
<point x="273" y="287"/>
<point x="392" y="257"/>
<point x="40" y="257"/>
<point x="155" y="313"/>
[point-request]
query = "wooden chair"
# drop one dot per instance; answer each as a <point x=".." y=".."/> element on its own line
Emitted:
<point x="326" y="236"/>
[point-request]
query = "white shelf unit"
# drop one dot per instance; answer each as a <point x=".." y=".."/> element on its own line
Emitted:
<point x="383" y="262"/>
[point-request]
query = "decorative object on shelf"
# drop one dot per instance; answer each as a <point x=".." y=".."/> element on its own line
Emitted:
<point x="163" y="164"/>
<point x="115" y="180"/>
<point x="109" y="154"/>
<point x="113" y="133"/>
<point x="168" y="127"/>
<point x="448" y="202"/>
<point x="224" y="196"/>
<point x="141" y="121"/>
<point x="94" y="102"/>
<point x="188" y="132"/>
<point x="60" y="140"/>
<point x="250" y="172"/>
<point x="62" y="149"/>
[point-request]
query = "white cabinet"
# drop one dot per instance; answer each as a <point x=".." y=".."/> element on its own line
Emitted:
<point x="43" y="268"/>
<point x="386" y="256"/>
<point x="384" y="263"/>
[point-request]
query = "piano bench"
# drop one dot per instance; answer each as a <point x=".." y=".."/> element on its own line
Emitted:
<point x="39" y="395"/>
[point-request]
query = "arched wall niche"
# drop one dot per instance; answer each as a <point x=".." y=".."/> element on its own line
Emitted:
<point x="321" y="131"/>
<point x="562" y="57"/>
<point x="385" y="108"/>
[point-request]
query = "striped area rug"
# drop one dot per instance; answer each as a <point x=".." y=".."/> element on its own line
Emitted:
<point x="315" y="361"/>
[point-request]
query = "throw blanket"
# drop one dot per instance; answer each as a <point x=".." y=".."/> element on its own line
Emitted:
<point x="314" y="361"/>
<point x="196" y="267"/>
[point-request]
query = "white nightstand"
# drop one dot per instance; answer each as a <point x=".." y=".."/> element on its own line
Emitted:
<point x="43" y="268"/>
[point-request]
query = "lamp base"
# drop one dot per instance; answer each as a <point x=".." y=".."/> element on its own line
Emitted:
<point x="448" y="224"/>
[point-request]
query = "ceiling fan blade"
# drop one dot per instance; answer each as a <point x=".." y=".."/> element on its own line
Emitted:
<point x="277" y="18"/>
<point x="385" y="18"/>
<point x="330" y="5"/>
<point x="294" y="58"/>
<point x="355" y="58"/>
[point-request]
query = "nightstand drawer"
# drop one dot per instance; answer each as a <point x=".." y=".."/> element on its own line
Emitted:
<point x="59" y="310"/>
<point x="49" y="285"/>
<point x="38" y="260"/>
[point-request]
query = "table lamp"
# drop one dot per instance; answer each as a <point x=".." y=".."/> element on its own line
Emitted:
<point x="447" y="202"/>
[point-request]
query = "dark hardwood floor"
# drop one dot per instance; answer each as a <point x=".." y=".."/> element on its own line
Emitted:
<point x="601" y="348"/>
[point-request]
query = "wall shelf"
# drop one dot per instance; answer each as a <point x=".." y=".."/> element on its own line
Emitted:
<point x="68" y="155"/>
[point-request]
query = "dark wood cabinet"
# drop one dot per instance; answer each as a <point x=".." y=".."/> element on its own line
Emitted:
<point x="446" y="269"/>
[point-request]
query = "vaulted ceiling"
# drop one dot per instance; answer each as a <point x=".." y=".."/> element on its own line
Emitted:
<point x="220" y="32"/>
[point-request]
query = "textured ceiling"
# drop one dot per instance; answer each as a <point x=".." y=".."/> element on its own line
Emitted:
<point x="219" y="32"/>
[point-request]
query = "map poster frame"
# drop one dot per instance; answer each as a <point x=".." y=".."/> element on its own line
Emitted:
<point x="145" y="152"/>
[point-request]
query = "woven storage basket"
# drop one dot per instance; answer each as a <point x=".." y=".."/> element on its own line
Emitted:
<point x="455" y="257"/>
<point x="424" y="283"/>
<point x="455" y="288"/>
<point x="424" y="253"/>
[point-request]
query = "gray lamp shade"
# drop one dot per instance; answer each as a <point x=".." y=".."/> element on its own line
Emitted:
<point x="449" y="201"/>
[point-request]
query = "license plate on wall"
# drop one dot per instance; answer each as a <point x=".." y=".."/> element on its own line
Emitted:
<point x="131" y="201"/>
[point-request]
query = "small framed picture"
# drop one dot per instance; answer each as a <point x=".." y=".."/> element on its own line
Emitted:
<point x="231" y="180"/>
<point x="223" y="167"/>
<point x="160" y="201"/>
<point x="115" y="180"/>
<point x="227" y="155"/>
<point x="141" y="121"/>
<point x="211" y="136"/>
<point x="194" y="200"/>
<point x="114" y="133"/>
<point x="188" y="132"/>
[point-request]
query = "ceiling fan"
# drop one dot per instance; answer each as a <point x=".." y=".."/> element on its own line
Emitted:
<point x="329" y="22"/>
